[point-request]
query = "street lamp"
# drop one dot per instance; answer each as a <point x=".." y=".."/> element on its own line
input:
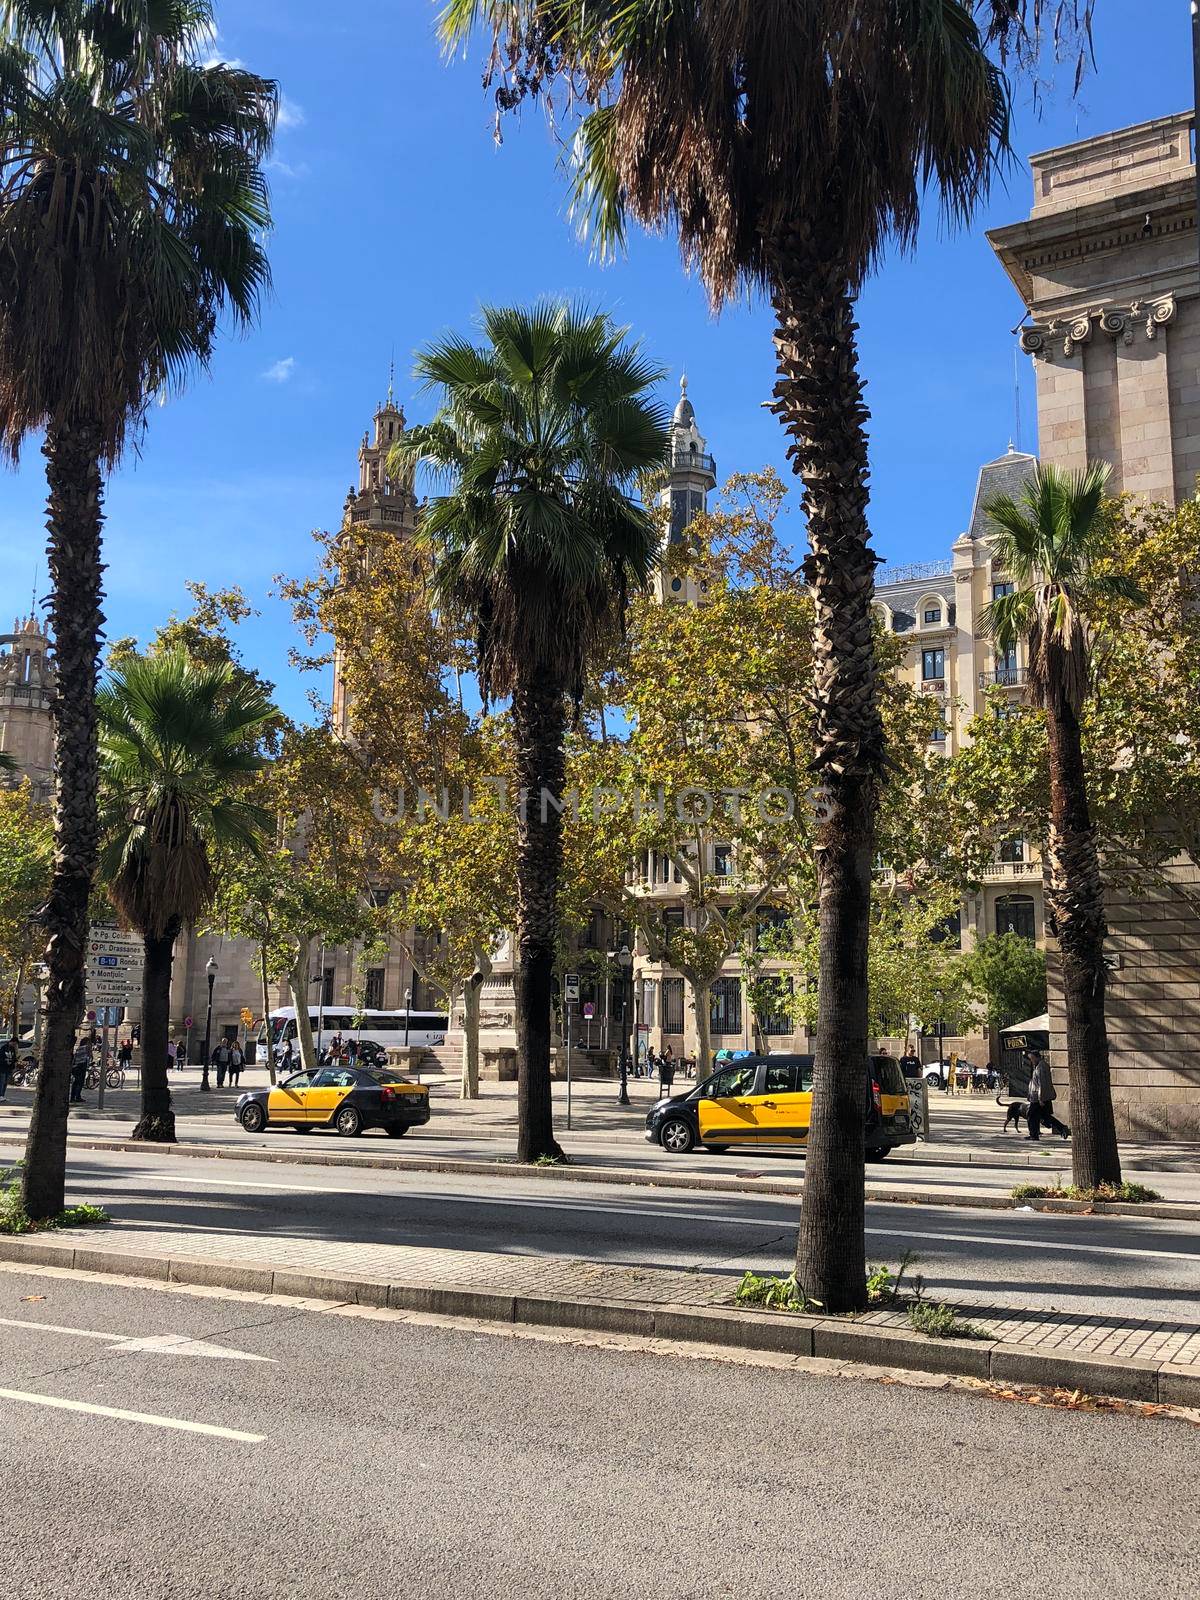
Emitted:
<point x="211" y="969"/>
<point x="941" y="996"/>
<point x="624" y="960"/>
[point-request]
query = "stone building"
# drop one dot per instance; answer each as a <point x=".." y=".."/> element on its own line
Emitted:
<point x="26" y="687"/>
<point x="1106" y="266"/>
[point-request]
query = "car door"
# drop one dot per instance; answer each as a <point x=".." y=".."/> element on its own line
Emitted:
<point x="728" y="1111"/>
<point x="286" y="1101"/>
<point x="329" y="1088"/>
<point x="785" y="1105"/>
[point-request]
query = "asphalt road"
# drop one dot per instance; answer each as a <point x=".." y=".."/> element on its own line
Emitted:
<point x="1138" y="1267"/>
<point x="381" y="1460"/>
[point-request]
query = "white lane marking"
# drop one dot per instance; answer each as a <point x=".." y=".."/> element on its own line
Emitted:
<point x="147" y="1417"/>
<point x="1042" y="1244"/>
<point x="167" y="1344"/>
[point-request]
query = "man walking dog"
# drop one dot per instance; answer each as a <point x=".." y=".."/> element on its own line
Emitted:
<point x="1041" y="1098"/>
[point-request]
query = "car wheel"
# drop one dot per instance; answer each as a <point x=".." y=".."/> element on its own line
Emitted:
<point x="880" y="1153"/>
<point x="348" y="1122"/>
<point x="253" y="1118"/>
<point x="677" y="1136"/>
<point x="397" y="1130"/>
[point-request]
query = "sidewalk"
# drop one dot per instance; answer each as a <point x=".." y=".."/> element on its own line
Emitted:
<point x="1151" y="1361"/>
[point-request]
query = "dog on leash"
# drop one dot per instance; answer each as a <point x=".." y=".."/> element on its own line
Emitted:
<point x="1014" y="1110"/>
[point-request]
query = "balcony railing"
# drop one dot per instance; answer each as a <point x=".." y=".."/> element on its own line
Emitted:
<point x="1013" y="869"/>
<point x="697" y="460"/>
<point x="1004" y="678"/>
<point x="911" y="572"/>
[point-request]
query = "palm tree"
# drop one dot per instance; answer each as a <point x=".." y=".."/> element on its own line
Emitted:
<point x="132" y="204"/>
<point x="1046" y="541"/>
<point x="789" y="144"/>
<point x="540" y="437"/>
<point x="177" y="746"/>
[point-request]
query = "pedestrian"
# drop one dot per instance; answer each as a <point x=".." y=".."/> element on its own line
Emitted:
<point x="236" y="1062"/>
<point x="1042" y="1095"/>
<point x="910" y="1063"/>
<point x="287" y="1060"/>
<point x="220" y="1059"/>
<point x="667" y="1059"/>
<point x="125" y="1054"/>
<point x="170" y="1054"/>
<point x="181" y="1053"/>
<point x="8" y="1060"/>
<point x="81" y="1062"/>
<point x="352" y="1051"/>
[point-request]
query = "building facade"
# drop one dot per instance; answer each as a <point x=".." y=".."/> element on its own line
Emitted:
<point x="1106" y="266"/>
<point x="26" y="689"/>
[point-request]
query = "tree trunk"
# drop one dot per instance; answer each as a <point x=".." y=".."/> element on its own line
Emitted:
<point x="1075" y="902"/>
<point x="819" y="394"/>
<point x="472" y="994"/>
<point x="157" y="1125"/>
<point x="702" y="1010"/>
<point x="75" y="515"/>
<point x="19" y="984"/>
<point x="266" y="1012"/>
<point x="298" y="987"/>
<point x="539" y="728"/>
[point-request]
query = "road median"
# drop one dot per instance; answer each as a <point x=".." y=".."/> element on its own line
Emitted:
<point x="1154" y="1363"/>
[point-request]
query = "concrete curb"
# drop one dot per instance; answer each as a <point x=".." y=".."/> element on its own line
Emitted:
<point x="637" y="1177"/>
<point x="792" y="1333"/>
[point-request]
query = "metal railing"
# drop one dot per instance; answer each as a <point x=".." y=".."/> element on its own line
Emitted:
<point x="1004" y="678"/>
<point x="912" y="572"/>
<point x="682" y="460"/>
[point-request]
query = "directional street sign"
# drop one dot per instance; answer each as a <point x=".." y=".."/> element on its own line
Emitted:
<point x="114" y="965"/>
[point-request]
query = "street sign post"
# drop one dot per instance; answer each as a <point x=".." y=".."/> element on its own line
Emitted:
<point x="571" y="987"/>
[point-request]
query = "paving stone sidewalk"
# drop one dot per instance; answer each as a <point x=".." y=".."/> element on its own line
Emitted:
<point x="1113" y="1354"/>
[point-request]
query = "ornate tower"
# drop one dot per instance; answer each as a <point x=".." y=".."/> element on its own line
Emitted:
<point x="691" y="476"/>
<point x="381" y="501"/>
<point x="26" y="689"/>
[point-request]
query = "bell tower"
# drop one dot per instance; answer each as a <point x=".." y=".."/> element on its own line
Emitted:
<point x="691" y="477"/>
<point x="26" y="689"/>
<point x="383" y="499"/>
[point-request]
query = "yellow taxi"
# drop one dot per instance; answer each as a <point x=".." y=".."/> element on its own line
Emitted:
<point x="347" y="1099"/>
<point x="761" y="1101"/>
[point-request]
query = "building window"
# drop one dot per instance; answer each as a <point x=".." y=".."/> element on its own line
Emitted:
<point x="1012" y="850"/>
<point x="672" y="1005"/>
<point x="933" y="614"/>
<point x="933" y="664"/>
<point x="373" y="989"/>
<point x="768" y="922"/>
<point x="327" y="986"/>
<point x="722" y="860"/>
<point x="999" y="590"/>
<point x="647" y="1007"/>
<point x="725" y="1015"/>
<point x="673" y="922"/>
<point x="1014" y="914"/>
<point x="778" y="1022"/>
<point x="938" y="732"/>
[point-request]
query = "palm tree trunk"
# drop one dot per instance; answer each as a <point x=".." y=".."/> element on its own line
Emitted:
<point x="539" y="728"/>
<point x="157" y="1124"/>
<point x="1075" y="900"/>
<point x="819" y="394"/>
<point x="74" y="519"/>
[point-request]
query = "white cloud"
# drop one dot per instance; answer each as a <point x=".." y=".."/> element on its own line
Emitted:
<point x="290" y="114"/>
<point x="224" y="61"/>
<point x="281" y="371"/>
<point x="293" y="171"/>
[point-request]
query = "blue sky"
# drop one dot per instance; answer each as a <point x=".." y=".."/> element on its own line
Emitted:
<point x="396" y="217"/>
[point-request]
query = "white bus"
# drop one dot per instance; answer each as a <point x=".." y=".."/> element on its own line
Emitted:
<point x="420" y="1028"/>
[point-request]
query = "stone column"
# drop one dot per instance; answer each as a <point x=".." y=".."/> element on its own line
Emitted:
<point x="1143" y="403"/>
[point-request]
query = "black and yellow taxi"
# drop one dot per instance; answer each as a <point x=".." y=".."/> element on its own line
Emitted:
<point x="347" y="1099"/>
<point x="766" y="1101"/>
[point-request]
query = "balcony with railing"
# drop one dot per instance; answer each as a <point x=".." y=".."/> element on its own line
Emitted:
<point x="1004" y="678"/>
<point x="693" y="460"/>
<point x="1013" y="869"/>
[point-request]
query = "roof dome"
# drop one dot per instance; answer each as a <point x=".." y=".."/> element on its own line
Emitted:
<point x="685" y="416"/>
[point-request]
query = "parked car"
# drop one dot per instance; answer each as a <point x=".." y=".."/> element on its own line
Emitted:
<point x="763" y="1101"/>
<point x="347" y="1099"/>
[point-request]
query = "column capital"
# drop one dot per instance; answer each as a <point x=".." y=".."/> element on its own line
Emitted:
<point x="1122" y="320"/>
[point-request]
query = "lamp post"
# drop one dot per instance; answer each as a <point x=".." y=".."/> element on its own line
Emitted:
<point x="211" y="969"/>
<point x="624" y="960"/>
<point x="407" y="1009"/>
<point x="941" y="1025"/>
